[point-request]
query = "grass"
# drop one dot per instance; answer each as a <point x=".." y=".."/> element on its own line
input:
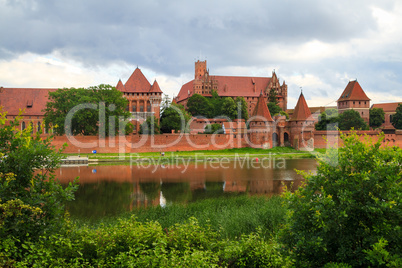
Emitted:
<point x="286" y="152"/>
<point x="231" y="216"/>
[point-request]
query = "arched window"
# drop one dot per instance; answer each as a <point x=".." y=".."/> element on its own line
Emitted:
<point x="274" y="139"/>
<point x="39" y="127"/>
<point x="286" y="137"/>
<point x="22" y="125"/>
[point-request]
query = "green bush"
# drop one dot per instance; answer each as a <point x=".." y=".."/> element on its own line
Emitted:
<point x="352" y="203"/>
<point x="31" y="200"/>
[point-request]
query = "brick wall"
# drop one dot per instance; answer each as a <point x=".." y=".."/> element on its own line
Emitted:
<point x="191" y="142"/>
<point x="149" y="143"/>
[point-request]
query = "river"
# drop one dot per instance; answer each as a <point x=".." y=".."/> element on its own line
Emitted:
<point x="109" y="190"/>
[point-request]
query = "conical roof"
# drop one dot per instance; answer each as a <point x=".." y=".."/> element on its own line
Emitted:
<point x="137" y="82"/>
<point x="353" y="91"/>
<point x="261" y="109"/>
<point x="155" y="88"/>
<point x="301" y="111"/>
<point x="120" y="86"/>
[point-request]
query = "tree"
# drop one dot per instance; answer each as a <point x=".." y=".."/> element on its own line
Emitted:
<point x="328" y="120"/>
<point x="213" y="129"/>
<point x="31" y="200"/>
<point x="229" y="108"/>
<point x="397" y="117"/>
<point x="98" y="110"/>
<point x="350" y="210"/>
<point x="150" y="126"/>
<point x="272" y="96"/>
<point x="174" y="118"/>
<point x="216" y="103"/>
<point x="351" y="119"/>
<point x="273" y="108"/>
<point x="243" y="108"/>
<point x="377" y="117"/>
<point x="199" y="105"/>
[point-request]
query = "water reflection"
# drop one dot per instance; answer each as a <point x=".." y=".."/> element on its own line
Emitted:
<point x="112" y="190"/>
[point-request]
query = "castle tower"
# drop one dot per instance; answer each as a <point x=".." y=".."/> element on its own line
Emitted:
<point x="353" y="97"/>
<point x="261" y="125"/>
<point x="143" y="98"/>
<point x="302" y="126"/>
<point x="200" y="69"/>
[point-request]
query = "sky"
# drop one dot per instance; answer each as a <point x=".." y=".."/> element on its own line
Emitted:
<point x="316" y="45"/>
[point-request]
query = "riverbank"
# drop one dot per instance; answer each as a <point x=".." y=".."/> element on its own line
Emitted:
<point x="235" y="232"/>
<point x="205" y="155"/>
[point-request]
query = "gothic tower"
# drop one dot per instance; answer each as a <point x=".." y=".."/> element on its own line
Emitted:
<point x="301" y="126"/>
<point x="353" y="97"/>
<point x="261" y="125"/>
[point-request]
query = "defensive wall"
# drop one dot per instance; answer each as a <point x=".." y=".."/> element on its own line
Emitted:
<point x="192" y="142"/>
<point x="149" y="143"/>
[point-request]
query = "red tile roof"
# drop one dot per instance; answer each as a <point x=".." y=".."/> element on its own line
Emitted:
<point x="261" y="109"/>
<point x="301" y="111"/>
<point x="33" y="100"/>
<point x="231" y="86"/>
<point x="353" y="91"/>
<point x="387" y="107"/>
<point x="155" y="88"/>
<point x="120" y="86"/>
<point x="186" y="91"/>
<point x="137" y="82"/>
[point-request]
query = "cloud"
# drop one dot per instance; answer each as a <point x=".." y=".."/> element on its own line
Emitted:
<point x="316" y="44"/>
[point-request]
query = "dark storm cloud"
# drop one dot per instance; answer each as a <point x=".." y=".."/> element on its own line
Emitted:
<point x="167" y="35"/>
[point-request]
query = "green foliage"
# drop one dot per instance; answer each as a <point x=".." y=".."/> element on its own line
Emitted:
<point x="199" y="105"/>
<point x="31" y="200"/>
<point x="213" y="129"/>
<point x="350" y="205"/>
<point x="273" y="108"/>
<point x="216" y="103"/>
<point x="129" y="243"/>
<point x="377" y="116"/>
<point x="328" y="120"/>
<point x="253" y="251"/>
<point x="243" y="108"/>
<point x="397" y="117"/>
<point x="231" y="215"/>
<point x="351" y="119"/>
<point x="150" y="126"/>
<point x="272" y="96"/>
<point x="175" y="118"/>
<point x="229" y="108"/>
<point x="284" y="113"/>
<point x="99" y="109"/>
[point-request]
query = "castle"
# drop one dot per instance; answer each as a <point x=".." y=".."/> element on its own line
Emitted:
<point x="232" y="86"/>
<point x="265" y="130"/>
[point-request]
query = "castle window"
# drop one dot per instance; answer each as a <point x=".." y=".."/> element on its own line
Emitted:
<point x="359" y="102"/>
<point x="22" y="125"/>
<point x="38" y="126"/>
<point x="134" y="108"/>
<point x="353" y="103"/>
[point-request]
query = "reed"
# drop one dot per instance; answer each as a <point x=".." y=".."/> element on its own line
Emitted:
<point x="231" y="216"/>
